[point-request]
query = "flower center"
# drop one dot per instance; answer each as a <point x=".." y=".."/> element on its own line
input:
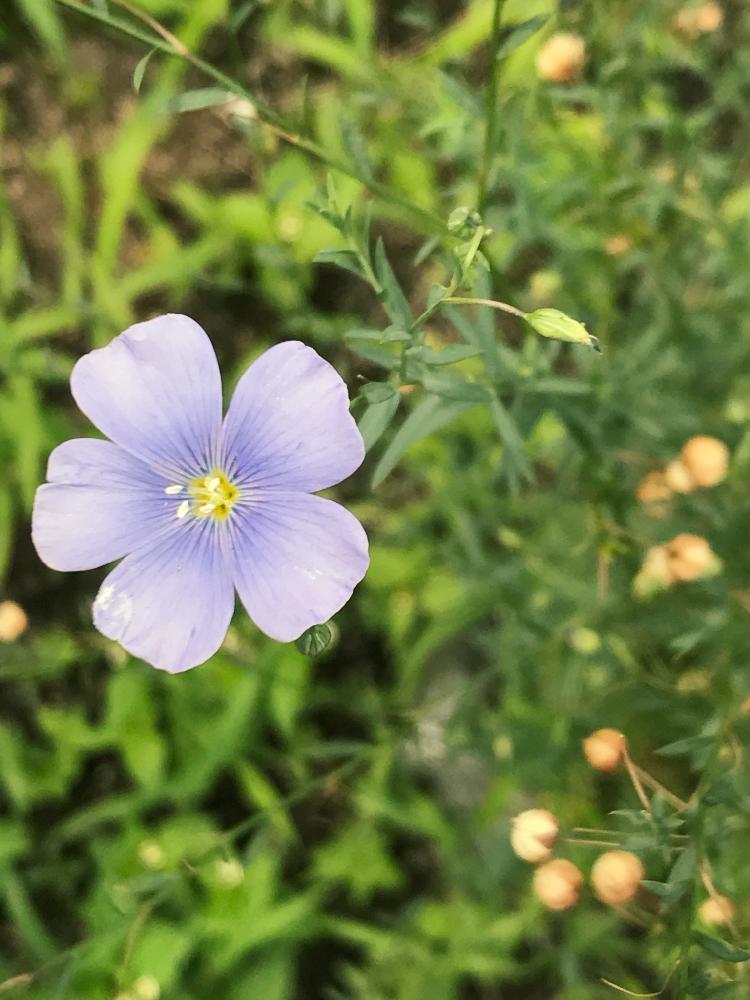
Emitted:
<point x="212" y="495"/>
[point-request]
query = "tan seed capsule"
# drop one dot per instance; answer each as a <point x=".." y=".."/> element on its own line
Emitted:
<point x="717" y="910"/>
<point x="695" y="21"/>
<point x="677" y="477"/>
<point x="652" y="487"/>
<point x="561" y="58"/>
<point x="605" y="749"/>
<point x="534" y="834"/>
<point x="13" y="621"/>
<point x="706" y="459"/>
<point x="616" y="876"/>
<point x="617" y="244"/>
<point x="689" y="557"/>
<point x="709" y="17"/>
<point x="557" y="884"/>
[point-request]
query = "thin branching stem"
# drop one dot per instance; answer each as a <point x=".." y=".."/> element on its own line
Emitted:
<point x="490" y="114"/>
<point x="159" y="38"/>
<point x="460" y="300"/>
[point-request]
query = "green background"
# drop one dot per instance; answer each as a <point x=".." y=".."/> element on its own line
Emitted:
<point x="273" y="826"/>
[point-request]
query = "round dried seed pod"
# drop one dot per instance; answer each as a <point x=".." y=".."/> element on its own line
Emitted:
<point x="605" y="749"/>
<point x="616" y="876"/>
<point x="13" y="621"/>
<point x="677" y="476"/>
<point x="561" y="58"/>
<point x="706" y="460"/>
<point x="534" y="834"/>
<point x="689" y="557"/>
<point x="717" y="910"/>
<point x="558" y="884"/>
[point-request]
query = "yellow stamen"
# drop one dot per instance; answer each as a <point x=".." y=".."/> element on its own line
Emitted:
<point x="214" y="495"/>
<point x="171" y="490"/>
<point x="183" y="508"/>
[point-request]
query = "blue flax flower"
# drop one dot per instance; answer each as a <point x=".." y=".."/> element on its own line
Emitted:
<point x="197" y="505"/>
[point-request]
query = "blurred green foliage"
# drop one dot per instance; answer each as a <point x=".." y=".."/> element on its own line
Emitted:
<point x="275" y="826"/>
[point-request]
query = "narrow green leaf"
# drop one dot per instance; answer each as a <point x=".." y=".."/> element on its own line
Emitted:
<point x="197" y="100"/>
<point x="355" y="145"/>
<point x="6" y="529"/>
<point x="393" y="299"/>
<point x="395" y="335"/>
<point x="376" y="419"/>
<point x="516" y="34"/>
<point x="558" y="387"/>
<point x="453" y="387"/>
<point x="378" y="356"/>
<point x="140" y="70"/>
<point x="377" y="392"/>
<point x="683" y="869"/>
<point x="721" y="949"/>
<point x="363" y="334"/>
<point x="43" y="18"/>
<point x="511" y="439"/>
<point x="361" y="15"/>
<point x="448" y="355"/>
<point x="345" y="259"/>
<point x="430" y="414"/>
<point x="686" y="746"/>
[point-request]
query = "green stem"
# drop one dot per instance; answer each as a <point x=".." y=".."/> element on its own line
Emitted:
<point x="428" y="221"/>
<point x="490" y="116"/>
<point x="502" y="306"/>
<point x="696" y="829"/>
<point x="458" y="278"/>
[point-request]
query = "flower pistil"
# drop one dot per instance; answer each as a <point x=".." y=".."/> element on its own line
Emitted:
<point x="212" y="495"/>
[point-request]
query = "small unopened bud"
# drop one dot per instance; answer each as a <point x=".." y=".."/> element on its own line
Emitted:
<point x="557" y="884"/>
<point x="717" y="910"/>
<point x="230" y="872"/>
<point x="677" y="477"/>
<point x="13" y="621"/>
<point x="605" y="749"/>
<point x="690" y="557"/>
<point x="534" y="834"/>
<point x="616" y="245"/>
<point x="584" y="640"/>
<point x="706" y="459"/>
<point x="561" y="58"/>
<point x="654" y="574"/>
<point x="147" y="988"/>
<point x="151" y="854"/>
<point x="616" y="876"/>
<point x="556" y="325"/>
<point x="693" y="681"/>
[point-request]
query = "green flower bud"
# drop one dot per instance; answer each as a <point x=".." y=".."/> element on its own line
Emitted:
<point x="458" y="219"/>
<point x="315" y="640"/>
<point x="557" y="326"/>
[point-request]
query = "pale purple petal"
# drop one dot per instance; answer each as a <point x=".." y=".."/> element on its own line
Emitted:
<point x="156" y="391"/>
<point x="170" y="603"/>
<point x="100" y="503"/>
<point x="289" y="424"/>
<point x="297" y="559"/>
